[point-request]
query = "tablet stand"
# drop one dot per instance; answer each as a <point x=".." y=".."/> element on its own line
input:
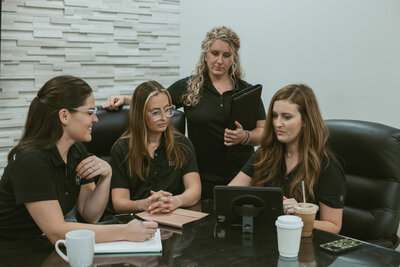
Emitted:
<point x="247" y="212"/>
<point x="247" y="221"/>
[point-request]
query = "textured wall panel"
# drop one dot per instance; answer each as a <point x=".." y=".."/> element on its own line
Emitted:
<point x="112" y="44"/>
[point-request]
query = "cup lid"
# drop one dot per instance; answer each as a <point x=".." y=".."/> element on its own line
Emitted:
<point x="305" y="207"/>
<point x="289" y="222"/>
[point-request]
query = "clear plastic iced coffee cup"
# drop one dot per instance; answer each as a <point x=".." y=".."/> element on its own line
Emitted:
<point x="306" y="211"/>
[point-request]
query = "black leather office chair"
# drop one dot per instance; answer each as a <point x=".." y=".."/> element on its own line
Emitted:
<point x="370" y="154"/>
<point x="112" y="124"/>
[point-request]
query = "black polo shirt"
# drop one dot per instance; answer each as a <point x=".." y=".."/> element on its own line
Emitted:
<point x="330" y="188"/>
<point x="36" y="175"/>
<point x="163" y="175"/>
<point x="206" y="123"/>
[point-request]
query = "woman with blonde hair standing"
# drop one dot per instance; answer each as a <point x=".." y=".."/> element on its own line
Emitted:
<point x="206" y="98"/>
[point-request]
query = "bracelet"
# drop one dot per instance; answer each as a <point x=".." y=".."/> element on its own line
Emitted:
<point x="246" y="137"/>
<point x="246" y="141"/>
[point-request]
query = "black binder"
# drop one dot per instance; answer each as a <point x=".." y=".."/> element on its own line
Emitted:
<point x="244" y="109"/>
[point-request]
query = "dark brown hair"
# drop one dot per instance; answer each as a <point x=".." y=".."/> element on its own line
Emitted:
<point x="43" y="127"/>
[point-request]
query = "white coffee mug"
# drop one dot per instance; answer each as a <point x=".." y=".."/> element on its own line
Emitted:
<point x="80" y="248"/>
<point x="289" y="233"/>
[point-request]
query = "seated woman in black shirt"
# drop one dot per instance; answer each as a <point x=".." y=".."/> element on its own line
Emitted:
<point x="154" y="166"/>
<point x="49" y="172"/>
<point x="294" y="149"/>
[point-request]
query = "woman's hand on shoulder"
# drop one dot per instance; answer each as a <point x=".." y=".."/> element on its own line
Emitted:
<point x="137" y="230"/>
<point x="92" y="166"/>
<point x="113" y="102"/>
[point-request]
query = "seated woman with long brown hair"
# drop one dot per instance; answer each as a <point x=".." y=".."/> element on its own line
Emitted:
<point x="49" y="171"/>
<point x="154" y="166"/>
<point x="294" y="149"/>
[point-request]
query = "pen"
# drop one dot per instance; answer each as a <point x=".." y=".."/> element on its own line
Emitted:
<point x="127" y="217"/>
<point x="137" y="217"/>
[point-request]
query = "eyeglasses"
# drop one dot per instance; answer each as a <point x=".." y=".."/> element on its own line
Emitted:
<point x="158" y="113"/>
<point x="91" y="111"/>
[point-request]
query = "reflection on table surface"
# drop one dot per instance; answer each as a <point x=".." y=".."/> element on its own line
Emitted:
<point x="210" y="244"/>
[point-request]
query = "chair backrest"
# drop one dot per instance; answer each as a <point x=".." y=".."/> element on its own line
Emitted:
<point x="370" y="154"/>
<point x="112" y="124"/>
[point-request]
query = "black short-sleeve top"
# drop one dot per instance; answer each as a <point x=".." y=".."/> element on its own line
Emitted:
<point x="36" y="175"/>
<point x="330" y="188"/>
<point x="206" y="123"/>
<point x="163" y="174"/>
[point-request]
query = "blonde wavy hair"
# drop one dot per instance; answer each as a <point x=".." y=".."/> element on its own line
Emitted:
<point x="313" y="146"/>
<point x="196" y="81"/>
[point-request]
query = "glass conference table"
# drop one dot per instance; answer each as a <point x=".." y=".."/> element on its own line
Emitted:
<point x="210" y="244"/>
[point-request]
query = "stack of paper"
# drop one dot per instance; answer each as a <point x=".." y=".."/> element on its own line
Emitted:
<point x="150" y="247"/>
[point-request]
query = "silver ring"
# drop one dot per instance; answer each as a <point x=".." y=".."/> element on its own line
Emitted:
<point x="288" y="206"/>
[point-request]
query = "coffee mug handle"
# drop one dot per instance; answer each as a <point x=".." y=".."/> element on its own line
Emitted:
<point x="62" y="255"/>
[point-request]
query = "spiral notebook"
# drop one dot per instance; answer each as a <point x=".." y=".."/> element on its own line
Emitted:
<point x="118" y="248"/>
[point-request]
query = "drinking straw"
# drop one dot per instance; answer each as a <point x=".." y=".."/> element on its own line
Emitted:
<point x="304" y="195"/>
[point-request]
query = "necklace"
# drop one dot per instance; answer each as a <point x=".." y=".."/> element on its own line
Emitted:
<point x="288" y="156"/>
<point x="291" y="163"/>
<point x="153" y="142"/>
<point x="154" y="146"/>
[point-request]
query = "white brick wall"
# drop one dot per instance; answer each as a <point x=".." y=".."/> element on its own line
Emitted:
<point x="114" y="45"/>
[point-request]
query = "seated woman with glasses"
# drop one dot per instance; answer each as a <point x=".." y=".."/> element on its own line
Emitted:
<point x="49" y="171"/>
<point x="294" y="149"/>
<point x="154" y="166"/>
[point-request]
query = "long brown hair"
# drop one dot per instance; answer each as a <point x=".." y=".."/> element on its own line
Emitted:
<point x="312" y="143"/>
<point x="137" y="132"/>
<point x="196" y="82"/>
<point x="43" y="127"/>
